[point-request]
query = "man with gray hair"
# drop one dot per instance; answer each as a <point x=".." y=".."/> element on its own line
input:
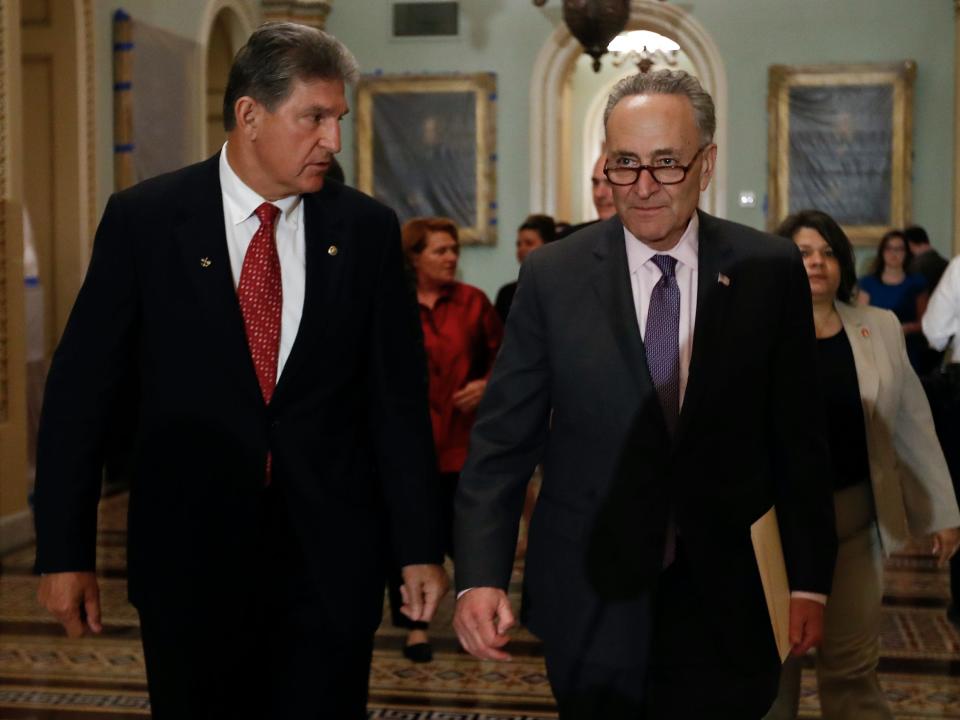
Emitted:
<point x="262" y="314"/>
<point x="658" y="364"/>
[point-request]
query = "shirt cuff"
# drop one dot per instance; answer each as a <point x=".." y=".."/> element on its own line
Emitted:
<point x="816" y="597"/>
<point x="463" y="592"/>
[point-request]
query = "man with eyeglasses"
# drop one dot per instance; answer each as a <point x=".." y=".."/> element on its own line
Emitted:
<point x="658" y="365"/>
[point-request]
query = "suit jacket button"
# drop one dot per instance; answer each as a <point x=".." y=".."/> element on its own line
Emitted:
<point x="275" y="424"/>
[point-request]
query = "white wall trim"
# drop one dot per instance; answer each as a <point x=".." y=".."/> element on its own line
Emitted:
<point x="16" y="530"/>
<point x="551" y="71"/>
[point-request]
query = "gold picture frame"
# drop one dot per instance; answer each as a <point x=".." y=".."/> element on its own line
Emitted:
<point x="426" y="145"/>
<point x="840" y="140"/>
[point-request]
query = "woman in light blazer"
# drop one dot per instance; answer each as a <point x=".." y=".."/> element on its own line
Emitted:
<point x="890" y="479"/>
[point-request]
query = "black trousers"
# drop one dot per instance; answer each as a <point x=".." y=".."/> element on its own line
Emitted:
<point x="688" y="674"/>
<point x="267" y="651"/>
<point x="448" y="489"/>
<point x="942" y="387"/>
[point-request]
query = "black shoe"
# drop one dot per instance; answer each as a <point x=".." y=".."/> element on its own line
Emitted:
<point x="418" y="652"/>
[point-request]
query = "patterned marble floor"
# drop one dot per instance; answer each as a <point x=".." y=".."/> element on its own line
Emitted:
<point x="45" y="676"/>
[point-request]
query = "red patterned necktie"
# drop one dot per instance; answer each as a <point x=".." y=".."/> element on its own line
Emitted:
<point x="261" y="299"/>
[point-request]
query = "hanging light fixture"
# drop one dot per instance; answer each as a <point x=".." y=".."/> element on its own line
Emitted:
<point x="645" y="49"/>
<point x="594" y="23"/>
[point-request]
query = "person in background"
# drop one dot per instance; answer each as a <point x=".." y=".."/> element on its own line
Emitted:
<point x="930" y="264"/>
<point x="535" y="231"/>
<point x="890" y="479"/>
<point x="336" y="171"/>
<point x="602" y="190"/>
<point x="890" y="287"/>
<point x="941" y="326"/>
<point x="602" y="198"/>
<point x="926" y="260"/>
<point x="461" y="334"/>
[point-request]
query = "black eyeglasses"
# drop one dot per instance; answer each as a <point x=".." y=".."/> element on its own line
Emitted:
<point x="663" y="174"/>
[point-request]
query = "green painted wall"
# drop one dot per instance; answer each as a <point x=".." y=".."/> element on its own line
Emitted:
<point x="504" y="37"/>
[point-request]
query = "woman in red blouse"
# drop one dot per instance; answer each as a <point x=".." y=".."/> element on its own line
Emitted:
<point x="461" y="334"/>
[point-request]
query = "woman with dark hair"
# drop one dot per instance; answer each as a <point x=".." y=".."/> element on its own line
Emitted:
<point x="890" y="479"/>
<point x="533" y="232"/>
<point x="891" y="287"/>
<point x="461" y="334"/>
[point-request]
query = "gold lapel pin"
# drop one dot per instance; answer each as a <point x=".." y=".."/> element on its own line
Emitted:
<point x="723" y="280"/>
<point x="865" y="332"/>
<point x="332" y="251"/>
<point x="205" y="262"/>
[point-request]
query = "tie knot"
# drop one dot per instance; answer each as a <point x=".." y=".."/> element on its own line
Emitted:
<point x="666" y="263"/>
<point x="267" y="214"/>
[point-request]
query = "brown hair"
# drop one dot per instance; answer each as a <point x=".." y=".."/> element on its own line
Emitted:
<point x="275" y="55"/>
<point x="878" y="264"/>
<point x="414" y="233"/>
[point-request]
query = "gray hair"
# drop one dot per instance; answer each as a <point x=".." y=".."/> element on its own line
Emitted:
<point x="668" y="82"/>
<point x="278" y="53"/>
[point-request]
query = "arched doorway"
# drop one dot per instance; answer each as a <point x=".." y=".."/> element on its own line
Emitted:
<point x="552" y="142"/>
<point x="228" y="24"/>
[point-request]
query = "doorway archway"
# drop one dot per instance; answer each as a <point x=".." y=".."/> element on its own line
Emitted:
<point x="225" y="28"/>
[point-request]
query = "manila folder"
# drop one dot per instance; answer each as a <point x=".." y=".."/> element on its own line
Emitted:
<point x="765" y="534"/>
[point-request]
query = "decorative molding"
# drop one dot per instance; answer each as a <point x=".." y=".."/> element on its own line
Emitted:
<point x="36" y="14"/>
<point x="551" y="72"/>
<point x="123" y="140"/>
<point x="5" y="207"/>
<point x="307" y="12"/>
<point x="88" y="107"/>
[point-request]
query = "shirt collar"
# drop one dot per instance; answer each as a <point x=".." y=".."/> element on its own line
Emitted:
<point x="686" y="251"/>
<point x="240" y="200"/>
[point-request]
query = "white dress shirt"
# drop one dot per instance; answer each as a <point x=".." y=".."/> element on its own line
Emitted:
<point x="941" y="321"/>
<point x="239" y="204"/>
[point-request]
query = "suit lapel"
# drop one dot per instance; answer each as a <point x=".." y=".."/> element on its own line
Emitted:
<point x="714" y="261"/>
<point x="611" y="282"/>
<point x="202" y="240"/>
<point x="861" y="342"/>
<point x="323" y="231"/>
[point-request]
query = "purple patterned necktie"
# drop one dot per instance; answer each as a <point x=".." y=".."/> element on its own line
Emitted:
<point x="662" y="343"/>
<point x="662" y="340"/>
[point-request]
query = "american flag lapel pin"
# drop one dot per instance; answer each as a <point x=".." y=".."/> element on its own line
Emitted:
<point x="723" y="280"/>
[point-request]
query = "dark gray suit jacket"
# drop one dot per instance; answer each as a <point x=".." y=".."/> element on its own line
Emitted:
<point x="571" y="389"/>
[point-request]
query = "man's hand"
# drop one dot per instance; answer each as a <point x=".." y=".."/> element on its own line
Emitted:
<point x="74" y="599"/>
<point x="945" y="544"/>
<point x="468" y="397"/>
<point x="423" y="586"/>
<point x="481" y="620"/>
<point x="806" y="624"/>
